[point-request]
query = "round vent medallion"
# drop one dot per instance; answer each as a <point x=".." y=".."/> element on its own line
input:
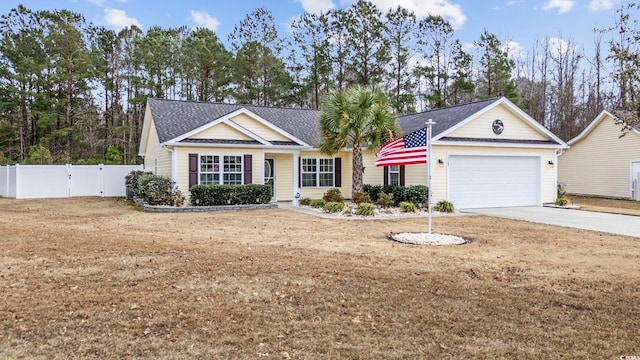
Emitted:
<point x="497" y="127"/>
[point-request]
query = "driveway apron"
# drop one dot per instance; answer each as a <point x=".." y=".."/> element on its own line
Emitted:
<point x="588" y="220"/>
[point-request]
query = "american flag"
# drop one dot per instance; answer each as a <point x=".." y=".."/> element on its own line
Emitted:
<point x="409" y="149"/>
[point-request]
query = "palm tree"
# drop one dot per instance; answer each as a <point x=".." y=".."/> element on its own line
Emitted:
<point x="359" y="116"/>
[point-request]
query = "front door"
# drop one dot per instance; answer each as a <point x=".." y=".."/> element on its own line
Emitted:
<point x="635" y="180"/>
<point x="270" y="175"/>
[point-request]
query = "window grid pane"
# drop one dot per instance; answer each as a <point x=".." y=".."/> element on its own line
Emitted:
<point x="206" y="163"/>
<point x="308" y="180"/>
<point x="326" y="179"/>
<point x="316" y="172"/>
<point x="394" y="175"/>
<point x="326" y="173"/>
<point x="232" y="170"/>
<point x="309" y="165"/>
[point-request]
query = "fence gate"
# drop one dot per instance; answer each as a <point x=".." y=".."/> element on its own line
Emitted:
<point x="61" y="181"/>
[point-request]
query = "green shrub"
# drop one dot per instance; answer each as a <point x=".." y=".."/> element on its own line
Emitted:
<point x="444" y="206"/>
<point x="212" y="195"/>
<point x="562" y="201"/>
<point x="317" y="203"/>
<point x="305" y="201"/>
<point x="360" y="197"/>
<point x="561" y="190"/>
<point x="251" y="194"/>
<point x="131" y="179"/>
<point x="385" y="200"/>
<point x="333" y="207"/>
<point x="407" y="206"/>
<point x="372" y="190"/>
<point x="158" y="190"/>
<point x="142" y="181"/>
<point x="417" y="194"/>
<point x="333" y="195"/>
<point x="397" y="191"/>
<point x="365" y="209"/>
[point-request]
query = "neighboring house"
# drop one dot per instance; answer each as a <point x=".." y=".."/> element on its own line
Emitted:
<point x="485" y="154"/>
<point x="600" y="162"/>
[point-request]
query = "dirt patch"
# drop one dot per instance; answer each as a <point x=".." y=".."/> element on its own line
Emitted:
<point x="624" y="207"/>
<point x="95" y="278"/>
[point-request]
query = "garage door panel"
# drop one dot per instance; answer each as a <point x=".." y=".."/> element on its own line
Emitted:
<point x="494" y="181"/>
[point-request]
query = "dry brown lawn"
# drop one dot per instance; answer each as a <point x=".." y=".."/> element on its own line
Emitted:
<point x="626" y="207"/>
<point x="96" y="278"/>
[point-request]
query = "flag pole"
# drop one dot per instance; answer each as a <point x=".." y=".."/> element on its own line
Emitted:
<point x="429" y="124"/>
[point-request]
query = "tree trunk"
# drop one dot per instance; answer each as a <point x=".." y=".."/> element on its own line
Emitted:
<point x="358" y="168"/>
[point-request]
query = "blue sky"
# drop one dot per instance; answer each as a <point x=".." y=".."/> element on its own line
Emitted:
<point x="520" y="22"/>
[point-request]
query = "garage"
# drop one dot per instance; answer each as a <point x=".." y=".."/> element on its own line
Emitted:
<point x="479" y="181"/>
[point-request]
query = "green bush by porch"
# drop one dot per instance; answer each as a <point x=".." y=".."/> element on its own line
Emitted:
<point x="212" y="195"/>
<point x="417" y="194"/>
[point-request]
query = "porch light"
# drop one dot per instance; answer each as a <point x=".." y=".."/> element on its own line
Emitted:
<point x="550" y="163"/>
<point x="440" y="163"/>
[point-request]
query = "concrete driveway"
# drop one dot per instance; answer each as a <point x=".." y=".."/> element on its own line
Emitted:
<point x="588" y="220"/>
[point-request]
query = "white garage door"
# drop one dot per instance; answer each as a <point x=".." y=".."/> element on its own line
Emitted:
<point x="494" y="181"/>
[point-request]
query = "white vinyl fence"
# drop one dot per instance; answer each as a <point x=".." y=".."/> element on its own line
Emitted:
<point x="61" y="181"/>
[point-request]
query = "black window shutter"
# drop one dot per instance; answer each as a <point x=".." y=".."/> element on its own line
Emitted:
<point x="385" y="181"/>
<point x="248" y="169"/>
<point x="401" y="175"/>
<point x="337" y="175"/>
<point x="193" y="170"/>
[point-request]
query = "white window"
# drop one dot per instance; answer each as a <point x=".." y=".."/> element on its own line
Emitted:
<point x="216" y="169"/>
<point x="317" y="172"/>
<point x="394" y="175"/>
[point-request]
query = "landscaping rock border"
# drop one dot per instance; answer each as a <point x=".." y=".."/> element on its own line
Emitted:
<point x="184" y="209"/>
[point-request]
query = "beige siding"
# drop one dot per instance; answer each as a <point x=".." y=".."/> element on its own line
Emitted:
<point x="182" y="163"/>
<point x="373" y="175"/>
<point x="417" y="174"/>
<point x="345" y="189"/>
<point x="514" y="126"/>
<point x="221" y="131"/>
<point x="258" y="128"/>
<point x="156" y="154"/>
<point x="600" y="163"/>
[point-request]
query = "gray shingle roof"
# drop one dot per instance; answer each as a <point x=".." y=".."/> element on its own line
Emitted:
<point x="444" y="118"/>
<point x="174" y="118"/>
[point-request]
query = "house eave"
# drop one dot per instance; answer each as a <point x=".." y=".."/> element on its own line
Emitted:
<point x="236" y="146"/>
<point x="500" y="145"/>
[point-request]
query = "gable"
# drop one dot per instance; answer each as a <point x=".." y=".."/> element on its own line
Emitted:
<point x="481" y="126"/>
<point x="605" y="134"/>
<point x="258" y="128"/>
<point x="146" y="128"/>
<point x="220" y="131"/>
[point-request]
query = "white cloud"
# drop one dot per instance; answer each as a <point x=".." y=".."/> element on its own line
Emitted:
<point x="202" y="19"/>
<point x="597" y="5"/>
<point x="119" y="19"/>
<point x="121" y="1"/>
<point x="559" y="47"/>
<point x="514" y="50"/>
<point x="99" y="3"/>
<point x="563" y="6"/>
<point x="422" y="8"/>
<point x="317" y="6"/>
<point x="467" y="47"/>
